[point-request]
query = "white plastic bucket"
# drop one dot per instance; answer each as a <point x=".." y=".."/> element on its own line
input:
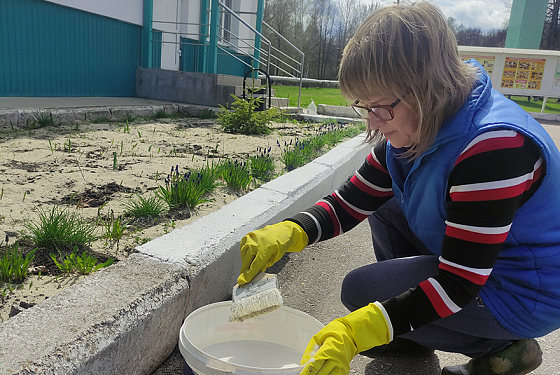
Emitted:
<point x="272" y="343"/>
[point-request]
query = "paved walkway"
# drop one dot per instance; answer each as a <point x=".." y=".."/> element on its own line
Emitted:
<point x="75" y="102"/>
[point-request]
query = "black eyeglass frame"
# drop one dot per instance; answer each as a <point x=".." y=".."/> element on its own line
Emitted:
<point x="370" y="110"/>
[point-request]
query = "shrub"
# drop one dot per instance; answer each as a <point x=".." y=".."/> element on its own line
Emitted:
<point x="244" y="120"/>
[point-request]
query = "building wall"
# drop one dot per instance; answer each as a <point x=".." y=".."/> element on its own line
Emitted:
<point x="124" y="10"/>
<point x="168" y="11"/>
<point x="52" y="50"/>
<point x="92" y="48"/>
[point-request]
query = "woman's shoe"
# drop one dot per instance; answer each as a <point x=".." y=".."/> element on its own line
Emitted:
<point x="520" y="358"/>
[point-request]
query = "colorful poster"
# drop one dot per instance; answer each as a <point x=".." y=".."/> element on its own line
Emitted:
<point x="556" y="83"/>
<point x="522" y="73"/>
<point x="487" y="62"/>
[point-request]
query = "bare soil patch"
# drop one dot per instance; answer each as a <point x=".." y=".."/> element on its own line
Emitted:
<point x="92" y="169"/>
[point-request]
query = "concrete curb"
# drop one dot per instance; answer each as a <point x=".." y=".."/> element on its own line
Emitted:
<point x="126" y="318"/>
<point x="11" y="119"/>
<point x="545" y="116"/>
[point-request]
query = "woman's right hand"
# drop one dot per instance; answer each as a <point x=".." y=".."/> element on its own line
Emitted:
<point x="264" y="247"/>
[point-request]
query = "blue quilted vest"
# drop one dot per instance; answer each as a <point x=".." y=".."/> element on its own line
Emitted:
<point x="523" y="291"/>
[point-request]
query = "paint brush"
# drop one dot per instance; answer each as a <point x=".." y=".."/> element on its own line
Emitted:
<point x="257" y="297"/>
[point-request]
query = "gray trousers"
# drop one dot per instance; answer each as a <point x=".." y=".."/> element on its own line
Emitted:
<point x="402" y="263"/>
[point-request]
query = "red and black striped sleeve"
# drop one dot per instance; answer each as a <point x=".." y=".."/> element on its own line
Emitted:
<point x="494" y="176"/>
<point x="358" y="198"/>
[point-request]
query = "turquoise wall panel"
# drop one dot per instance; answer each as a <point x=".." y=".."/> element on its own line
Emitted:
<point x="189" y="55"/>
<point x="156" y="50"/>
<point x="229" y="65"/>
<point x="52" y="50"/>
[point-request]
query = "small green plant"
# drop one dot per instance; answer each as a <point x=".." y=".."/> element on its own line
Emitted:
<point x="262" y="164"/>
<point x="43" y="119"/>
<point x="60" y="229"/>
<point x="138" y="206"/>
<point x="128" y="117"/>
<point x="244" y="119"/>
<point x="14" y="265"/>
<point x="236" y="174"/>
<point x="187" y="190"/>
<point x="115" y="164"/>
<point x="83" y="264"/>
<point x="160" y="113"/>
<point x="114" y="227"/>
<point x="295" y="155"/>
<point x="206" y="114"/>
<point x="169" y="226"/>
<point x="68" y="146"/>
<point x="101" y="120"/>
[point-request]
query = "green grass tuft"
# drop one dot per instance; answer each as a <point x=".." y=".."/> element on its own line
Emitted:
<point x="60" y="230"/>
<point x="43" y="119"/>
<point x="138" y="206"/>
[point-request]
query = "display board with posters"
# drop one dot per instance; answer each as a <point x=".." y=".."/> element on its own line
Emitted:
<point x="515" y="71"/>
<point x="523" y="73"/>
<point x="487" y="62"/>
<point x="556" y="83"/>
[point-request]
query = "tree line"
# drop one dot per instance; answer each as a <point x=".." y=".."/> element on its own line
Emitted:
<point x="321" y="29"/>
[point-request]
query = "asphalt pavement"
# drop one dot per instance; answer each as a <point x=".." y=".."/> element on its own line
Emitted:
<point x="310" y="281"/>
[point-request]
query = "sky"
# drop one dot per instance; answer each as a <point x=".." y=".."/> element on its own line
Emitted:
<point x="485" y="14"/>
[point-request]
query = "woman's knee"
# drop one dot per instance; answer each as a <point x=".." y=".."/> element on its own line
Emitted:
<point x="358" y="288"/>
<point x="351" y="291"/>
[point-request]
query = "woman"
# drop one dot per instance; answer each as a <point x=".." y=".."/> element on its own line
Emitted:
<point x="461" y="191"/>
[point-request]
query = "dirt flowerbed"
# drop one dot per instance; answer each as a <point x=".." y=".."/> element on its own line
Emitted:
<point x="91" y="170"/>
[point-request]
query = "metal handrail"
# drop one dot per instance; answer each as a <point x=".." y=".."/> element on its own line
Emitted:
<point x="224" y="41"/>
<point x="301" y="64"/>
<point x="243" y="21"/>
<point x="284" y="62"/>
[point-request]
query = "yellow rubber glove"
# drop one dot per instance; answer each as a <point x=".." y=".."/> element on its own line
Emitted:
<point x="331" y="350"/>
<point x="264" y="247"/>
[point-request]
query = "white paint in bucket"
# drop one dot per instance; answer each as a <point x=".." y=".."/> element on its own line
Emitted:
<point x="272" y="343"/>
<point x="255" y="354"/>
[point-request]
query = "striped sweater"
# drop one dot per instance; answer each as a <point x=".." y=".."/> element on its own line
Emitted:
<point x="492" y="177"/>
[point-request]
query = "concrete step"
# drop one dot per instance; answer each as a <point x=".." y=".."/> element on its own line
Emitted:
<point x="239" y="91"/>
<point x="280" y="102"/>
<point x="227" y="80"/>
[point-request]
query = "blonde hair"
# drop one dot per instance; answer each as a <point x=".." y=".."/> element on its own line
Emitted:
<point x="409" y="52"/>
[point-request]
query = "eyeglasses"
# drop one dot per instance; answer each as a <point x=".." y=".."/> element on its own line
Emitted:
<point x="382" y="112"/>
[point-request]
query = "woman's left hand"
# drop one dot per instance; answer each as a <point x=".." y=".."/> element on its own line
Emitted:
<point x="331" y="350"/>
